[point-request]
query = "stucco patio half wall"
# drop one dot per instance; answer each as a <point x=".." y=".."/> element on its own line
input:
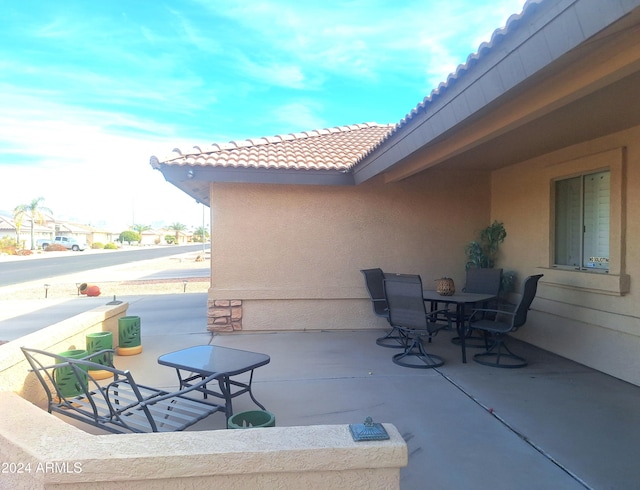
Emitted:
<point x="40" y="451"/>
<point x="551" y="99"/>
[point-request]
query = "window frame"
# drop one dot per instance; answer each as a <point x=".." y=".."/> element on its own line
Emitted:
<point x="616" y="282"/>
<point x="583" y="205"/>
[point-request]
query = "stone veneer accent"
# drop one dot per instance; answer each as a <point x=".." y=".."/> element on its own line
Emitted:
<point x="224" y="315"/>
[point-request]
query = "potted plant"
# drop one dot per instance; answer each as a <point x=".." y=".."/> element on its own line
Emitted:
<point x="482" y="253"/>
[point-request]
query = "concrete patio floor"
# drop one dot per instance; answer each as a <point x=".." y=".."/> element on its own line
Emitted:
<point x="554" y="424"/>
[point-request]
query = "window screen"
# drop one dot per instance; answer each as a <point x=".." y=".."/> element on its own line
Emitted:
<point x="582" y="221"/>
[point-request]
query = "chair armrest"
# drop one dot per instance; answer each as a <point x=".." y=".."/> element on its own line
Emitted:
<point x="490" y="310"/>
<point x="100" y="353"/>
<point x="435" y="313"/>
<point x="432" y="316"/>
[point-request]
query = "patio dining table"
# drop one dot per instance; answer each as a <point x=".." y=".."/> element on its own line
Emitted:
<point x="460" y="299"/>
<point x="196" y="363"/>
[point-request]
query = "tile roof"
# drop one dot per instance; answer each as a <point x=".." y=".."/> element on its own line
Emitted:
<point x="338" y="148"/>
<point x="513" y="23"/>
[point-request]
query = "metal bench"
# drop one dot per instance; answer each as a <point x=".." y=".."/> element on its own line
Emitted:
<point x="120" y="405"/>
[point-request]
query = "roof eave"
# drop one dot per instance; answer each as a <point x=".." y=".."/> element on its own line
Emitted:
<point x="543" y="33"/>
<point x="195" y="180"/>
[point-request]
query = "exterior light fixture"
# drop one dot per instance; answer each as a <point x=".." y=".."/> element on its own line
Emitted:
<point x="190" y="173"/>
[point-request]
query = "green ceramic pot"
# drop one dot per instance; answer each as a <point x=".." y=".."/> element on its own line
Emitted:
<point x="66" y="380"/>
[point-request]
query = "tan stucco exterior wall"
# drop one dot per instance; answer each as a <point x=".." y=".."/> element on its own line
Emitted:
<point x="293" y="254"/>
<point x="589" y="317"/>
<point x="66" y="335"/>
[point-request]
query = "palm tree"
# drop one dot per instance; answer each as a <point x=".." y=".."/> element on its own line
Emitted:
<point x="201" y="232"/>
<point x="33" y="211"/>
<point x="140" y="229"/>
<point x="177" y="227"/>
<point x="17" y="221"/>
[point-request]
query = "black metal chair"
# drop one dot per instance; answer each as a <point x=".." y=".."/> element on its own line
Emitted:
<point x="501" y="323"/>
<point x="374" y="280"/>
<point x="481" y="281"/>
<point x="408" y="314"/>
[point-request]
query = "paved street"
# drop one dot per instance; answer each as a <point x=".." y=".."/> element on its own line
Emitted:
<point x="19" y="317"/>
<point x="15" y="270"/>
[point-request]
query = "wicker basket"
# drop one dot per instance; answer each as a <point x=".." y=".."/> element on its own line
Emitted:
<point x="445" y="286"/>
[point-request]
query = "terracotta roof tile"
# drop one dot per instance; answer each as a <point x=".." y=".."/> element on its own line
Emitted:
<point x="337" y="148"/>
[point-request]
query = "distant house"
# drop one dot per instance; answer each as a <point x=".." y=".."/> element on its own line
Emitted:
<point x="79" y="232"/>
<point x="22" y="233"/>
<point x="540" y="129"/>
<point x="102" y="236"/>
<point x="151" y="237"/>
<point x="49" y="228"/>
<point x="159" y="236"/>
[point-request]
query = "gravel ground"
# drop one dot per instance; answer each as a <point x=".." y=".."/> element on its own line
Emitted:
<point x="128" y="279"/>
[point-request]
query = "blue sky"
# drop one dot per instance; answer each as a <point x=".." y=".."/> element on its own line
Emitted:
<point x="90" y="90"/>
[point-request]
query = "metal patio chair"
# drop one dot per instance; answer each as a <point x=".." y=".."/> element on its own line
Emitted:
<point x="499" y="323"/>
<point x="374" y="280"/>
<point x="482" y="281"/>
<point x="408" y="314"/>
<point x="118" y="406"/>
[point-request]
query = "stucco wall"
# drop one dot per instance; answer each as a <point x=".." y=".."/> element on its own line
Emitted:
<point x="293" y="254"/>
<point x="66" y="335"/>
<point x="41" y="451"/>
<point x="585" y="316"/>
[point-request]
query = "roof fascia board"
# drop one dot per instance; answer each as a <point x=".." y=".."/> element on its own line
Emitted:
<point x="576" y="81"/>
<point x="176" y="174"/>
<point x="544" y="32"/>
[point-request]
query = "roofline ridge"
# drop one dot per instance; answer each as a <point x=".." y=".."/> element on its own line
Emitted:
<point x="176" y="153"/>
<point x="496" y="37"/>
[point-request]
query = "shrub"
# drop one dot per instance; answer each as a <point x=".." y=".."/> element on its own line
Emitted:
<point x="110" y="246"/>
<point x="129" y="236"/>
<point x="23" y="252"/>
<point x="7" y="245"/>
<point x="55" y="247"/>
<point x="97" y="245"/>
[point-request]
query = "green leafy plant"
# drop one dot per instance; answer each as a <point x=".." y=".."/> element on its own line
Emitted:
<point x="34" y="212"/>
<point x="482" y="253"/>
<point x="97" y="245"/>
<point x="129" y="236"/>
<point x="177" y="227"/>
<point x="110" y="246"/>
<point x="508" y="281"/>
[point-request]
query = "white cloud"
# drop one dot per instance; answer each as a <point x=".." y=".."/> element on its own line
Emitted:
<point x="367" y="38"/>
<point x="277" y="73"/>
<point x="88" y="99"/>
<point x="300" y="116"/>
<point x="84" y="169"/>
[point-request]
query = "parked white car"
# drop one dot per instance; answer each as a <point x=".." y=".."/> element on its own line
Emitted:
<point x="69" y="242"/>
